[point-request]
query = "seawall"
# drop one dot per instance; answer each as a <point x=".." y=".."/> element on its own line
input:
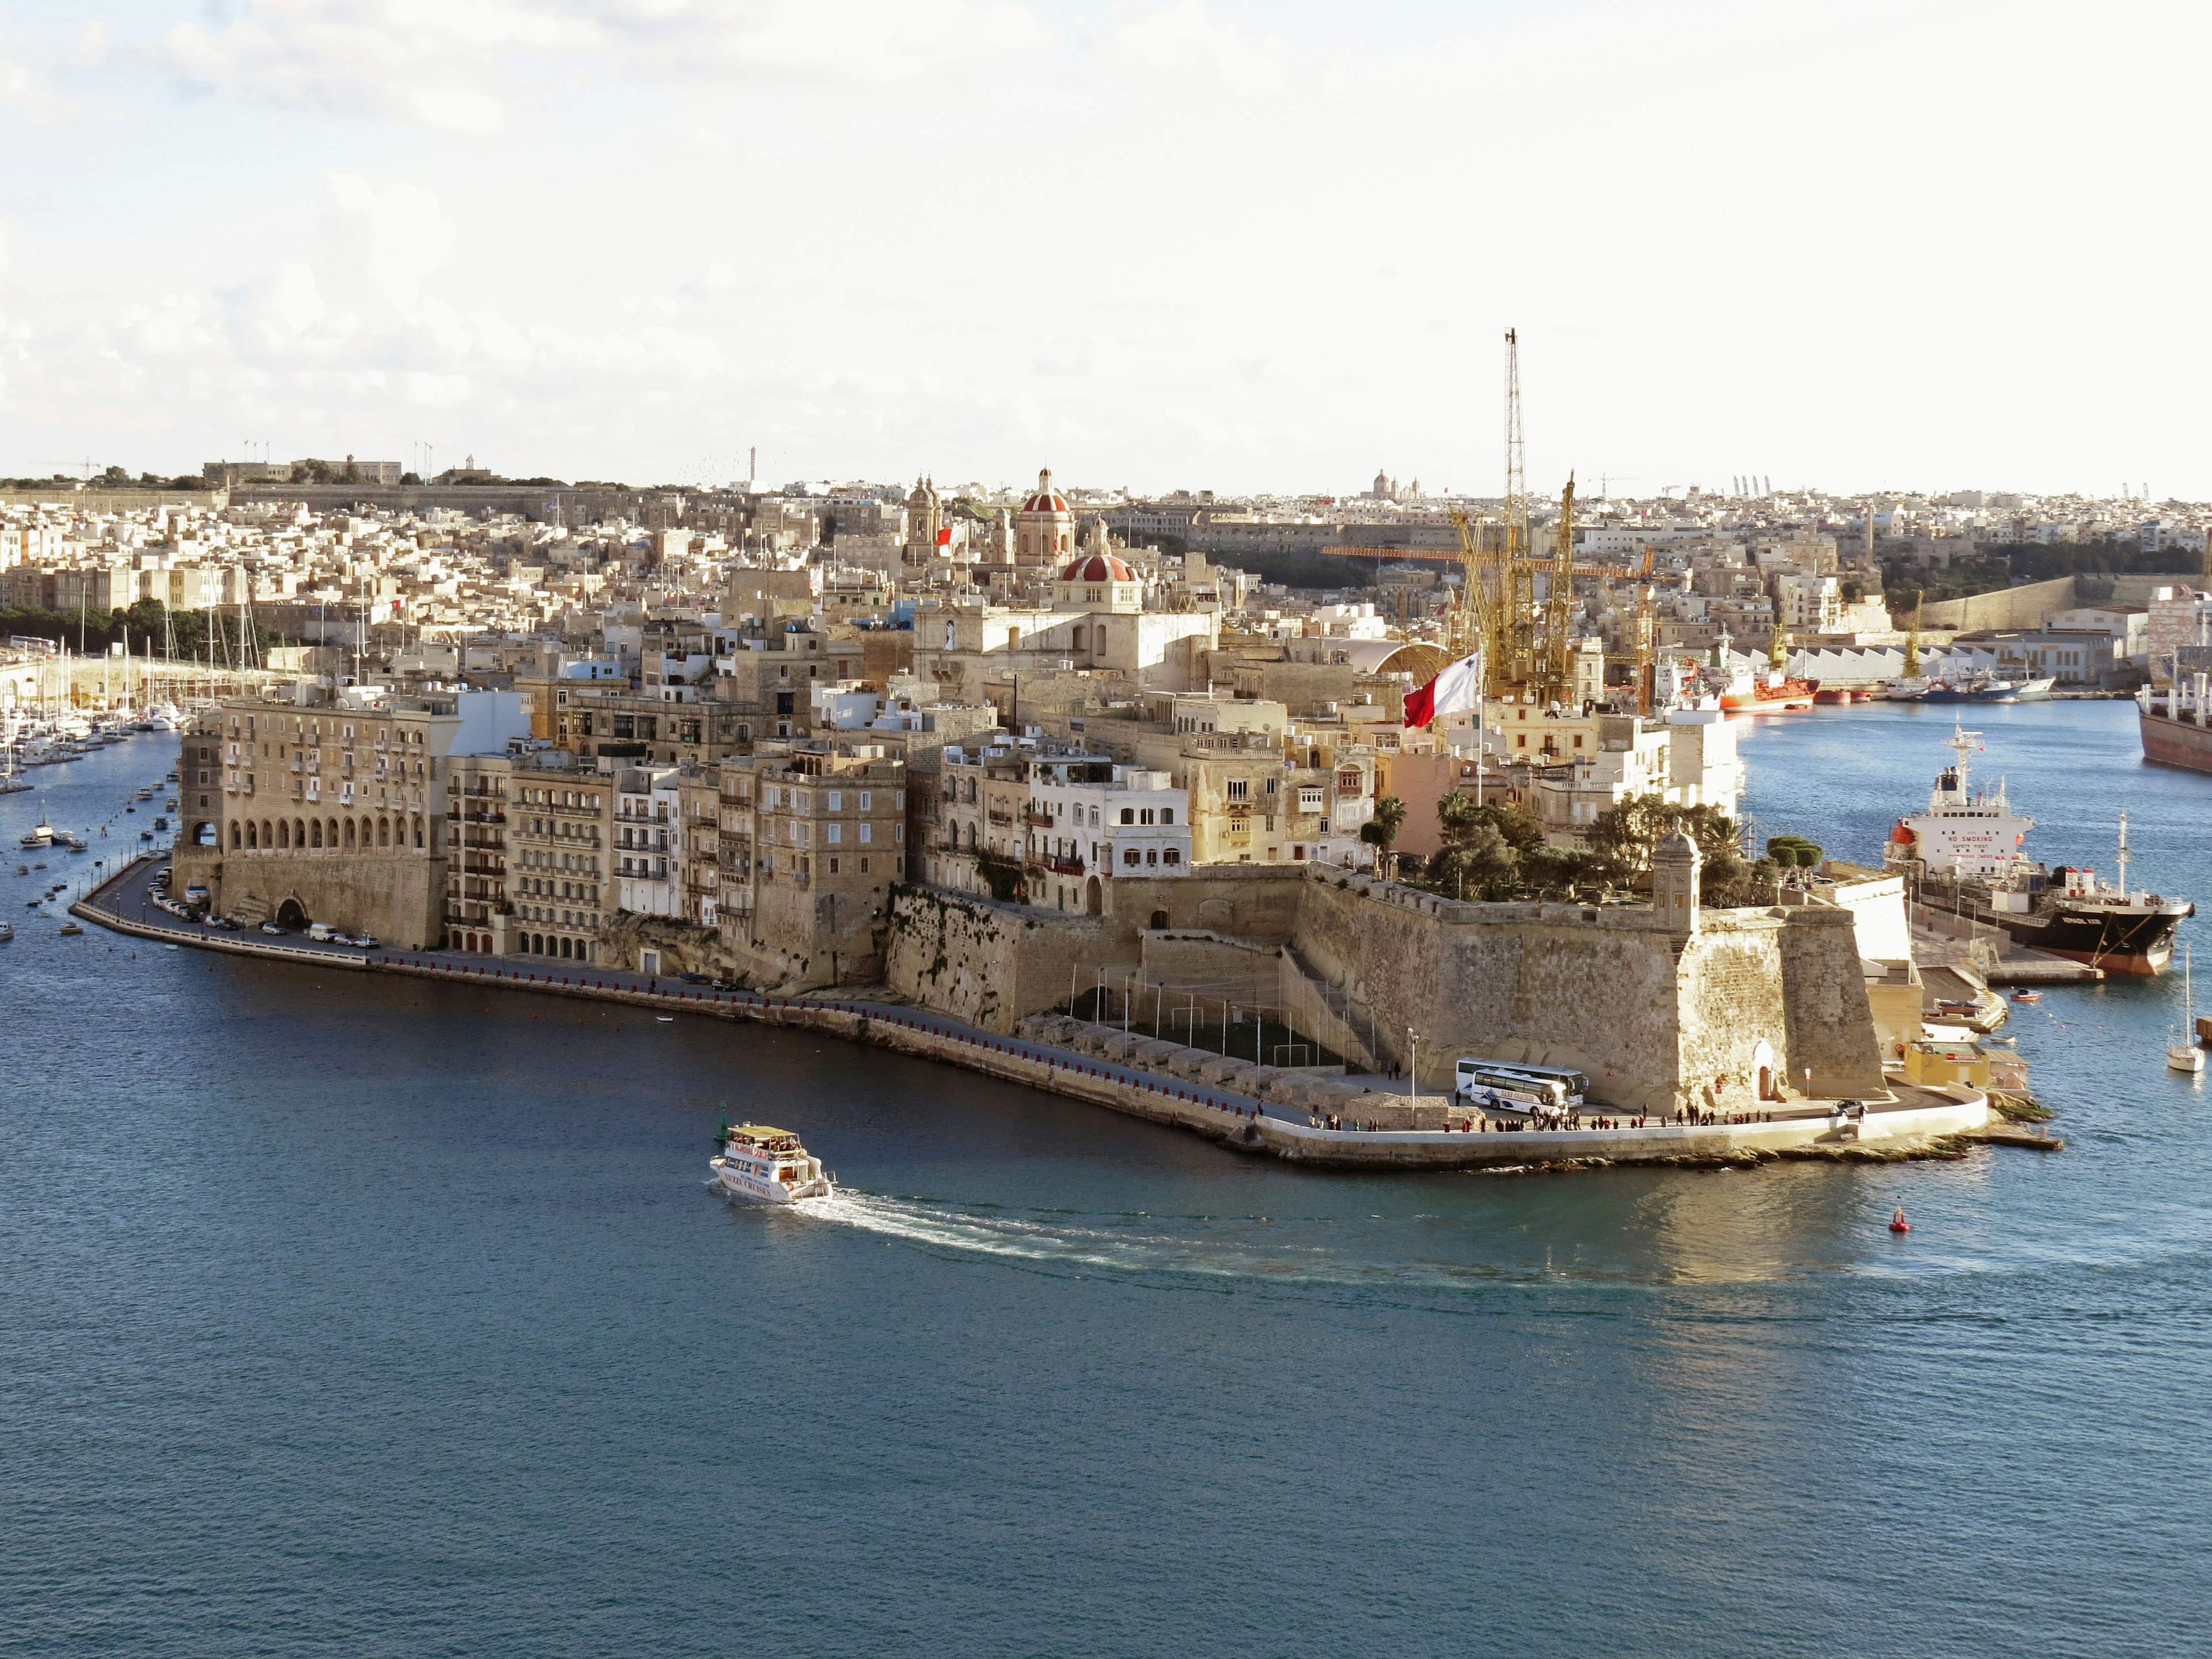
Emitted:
<point x="1922" y="1123"/>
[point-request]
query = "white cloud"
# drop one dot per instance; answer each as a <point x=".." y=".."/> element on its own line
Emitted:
<point x="1182" y="41"/>
<point x="461" y="66"/>
<point x="1159" y="240"/>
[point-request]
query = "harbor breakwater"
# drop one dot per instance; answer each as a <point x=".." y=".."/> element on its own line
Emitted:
<point x="1898" y="1123"/>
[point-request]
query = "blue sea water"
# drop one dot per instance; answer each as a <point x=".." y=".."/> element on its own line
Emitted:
<point x="383" y="1318"/>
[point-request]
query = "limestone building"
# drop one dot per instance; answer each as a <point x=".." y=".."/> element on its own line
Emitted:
<point x="811" y="841"/>
<point x="559" y="829"/>
<point x="332" y="805"/>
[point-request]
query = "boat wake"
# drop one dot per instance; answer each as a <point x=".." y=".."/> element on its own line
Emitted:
<point x="1205" y="1247"/>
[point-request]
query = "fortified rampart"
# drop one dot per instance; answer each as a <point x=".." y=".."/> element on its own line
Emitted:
<point x="2031" y="604"/>
<point x="1753" y="999"/>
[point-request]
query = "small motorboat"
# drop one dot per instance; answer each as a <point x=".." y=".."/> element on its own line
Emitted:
<point x="6" y="931"/>
<point x="2027" y="996"/>
<point x="70" y="930"/>
<point x="1898" y="1224"/>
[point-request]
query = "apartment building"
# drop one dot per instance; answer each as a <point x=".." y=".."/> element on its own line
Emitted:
<point x="812" y="839"/>
<point x="698" y="796"/>
<point x="647" y="841"/>
<point x="559" y="878"/>
<point x="332" y="805"/>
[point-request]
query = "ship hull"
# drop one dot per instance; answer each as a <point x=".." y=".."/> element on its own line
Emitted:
<point x="2140" y="944"/>
<point x="2177" y="743"/>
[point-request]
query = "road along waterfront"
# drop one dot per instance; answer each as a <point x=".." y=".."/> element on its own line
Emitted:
<point x="1906" y="1121"/>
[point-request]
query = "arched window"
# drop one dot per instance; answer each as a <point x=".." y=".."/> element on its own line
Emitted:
<point x="331" y="834"/>
<point x="418" y="834"/>
<point x="235" y="840"/>
<point x="349" y="832"/>
<point x="299" y="832"/>
<point x="1167" y="814"/>
<point x="283" y="833"/>
<point x="1130" y="857"/>
<point x="1128" y="815"/>
<point x="1151" y="855"/>
<point x="1170" y="856"/>
<point x="315" y="833"/>
<point x="384" y="832"/>
<point x="268" y="835"/>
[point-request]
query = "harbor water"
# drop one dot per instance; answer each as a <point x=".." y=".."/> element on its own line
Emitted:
<point x="344" y="1313"/>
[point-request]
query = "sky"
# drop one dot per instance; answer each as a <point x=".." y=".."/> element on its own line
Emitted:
<point x="1191" y="244"/>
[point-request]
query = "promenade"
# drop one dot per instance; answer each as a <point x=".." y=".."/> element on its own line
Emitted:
<point x="1905" y="1122"/>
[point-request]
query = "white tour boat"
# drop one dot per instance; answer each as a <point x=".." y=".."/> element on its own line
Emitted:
<point x="768" y="1166"/>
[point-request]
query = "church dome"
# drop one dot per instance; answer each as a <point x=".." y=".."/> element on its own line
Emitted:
<point x="1046" y="501"/>
<point x="1098" y="568"/>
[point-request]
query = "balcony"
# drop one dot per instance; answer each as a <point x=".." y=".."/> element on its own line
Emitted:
<point x="1035" y="820"/>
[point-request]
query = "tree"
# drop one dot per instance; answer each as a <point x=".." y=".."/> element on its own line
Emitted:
<point x="1624" y="837"/>
<point x="1383" y="829"/>
<point x="1787" y="851"/>
<point x="1478" y="864"/>
<point x="1485" y="848"/>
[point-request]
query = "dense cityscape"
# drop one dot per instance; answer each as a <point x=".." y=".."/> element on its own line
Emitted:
<point x="1116" y="828"/>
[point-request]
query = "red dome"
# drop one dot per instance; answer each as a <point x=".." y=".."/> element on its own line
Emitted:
<point x="1098" y="568"/>
<point x="1045" y="501"/>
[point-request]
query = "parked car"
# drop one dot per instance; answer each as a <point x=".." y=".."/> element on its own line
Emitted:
<point x="271" y="927"/>
<point x="226" y="923"/>
<point x="367" y="941"/>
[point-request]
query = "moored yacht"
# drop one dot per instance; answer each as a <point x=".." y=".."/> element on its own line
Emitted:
<point x="767" y="1166"/>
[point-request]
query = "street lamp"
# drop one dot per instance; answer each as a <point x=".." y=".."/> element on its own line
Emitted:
<point x="1414" y="1071"/>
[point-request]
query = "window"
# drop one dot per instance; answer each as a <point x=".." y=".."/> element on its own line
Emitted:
<point x="837" y="834"/>
<point x="1169" y="855"/>
<point x="867" y="834"/>
<point x="1309" y="798"/>
<point x="1167" y="814"/>
<point x="1130" y="857"/>
<point x="1128" y="815"/>
<point x="1240" y="789"/>
<point x="867" y="800"/>
<point x="836" y="800"/>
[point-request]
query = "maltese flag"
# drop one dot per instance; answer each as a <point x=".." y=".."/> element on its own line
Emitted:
<point x="1459" y="686"/>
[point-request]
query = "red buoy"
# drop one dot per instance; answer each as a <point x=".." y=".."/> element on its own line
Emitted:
<point x="1898" y="1224"/>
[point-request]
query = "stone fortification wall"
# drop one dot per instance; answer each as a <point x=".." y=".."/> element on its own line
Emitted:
<point x="990" y="963"/>
<point x="1219" y="968"/>
<point x="2008" y="607"/>
<point x="2027" y="606"/>
<point x="1652" y="1016"/>
<point x="1256" y="901"/>
<point x="1601" y="994"/>
<point x="399" y="896"/>
<point x="1824" y="1000"/>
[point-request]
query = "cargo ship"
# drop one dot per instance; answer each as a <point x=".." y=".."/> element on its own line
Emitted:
<point x="1964" y="854"/>
<point x="2176" y="723"/>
